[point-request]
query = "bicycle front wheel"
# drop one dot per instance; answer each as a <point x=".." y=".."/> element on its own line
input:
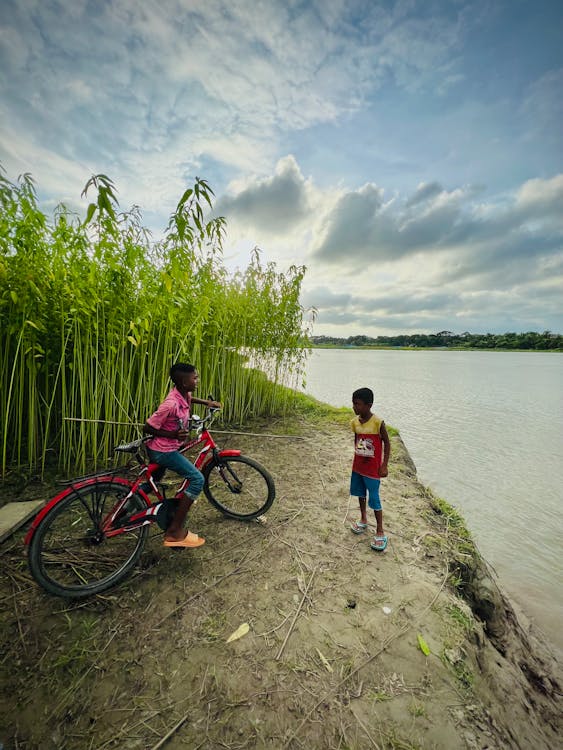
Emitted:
<point x="70" y="556"/>
<point x="239" y="487"/>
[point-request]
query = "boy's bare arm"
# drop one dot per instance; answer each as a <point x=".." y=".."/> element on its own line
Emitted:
<point x="207" y="402"/>
<point x="383" y="471"/>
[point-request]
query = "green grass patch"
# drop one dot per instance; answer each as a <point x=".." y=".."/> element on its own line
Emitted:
<point x="459" y="616"/>
<point x="454" y="521"/>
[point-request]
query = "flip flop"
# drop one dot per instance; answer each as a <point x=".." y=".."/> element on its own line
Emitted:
<point x="379" y="543"/>
<point x="190" y="541"/>
<point x="358" y="527"/>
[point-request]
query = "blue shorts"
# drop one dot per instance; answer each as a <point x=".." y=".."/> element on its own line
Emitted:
<point x="177" y="462"/>
<point x="361" y="486"/>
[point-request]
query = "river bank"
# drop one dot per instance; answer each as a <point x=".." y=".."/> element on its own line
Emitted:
<point x="464" y="431"/>
<point x="333" y="655"/>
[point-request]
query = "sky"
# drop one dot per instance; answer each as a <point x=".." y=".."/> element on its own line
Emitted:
<point x="409" y="153"/>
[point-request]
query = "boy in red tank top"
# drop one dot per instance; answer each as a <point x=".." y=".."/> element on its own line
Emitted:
<point x="370" y="442"/>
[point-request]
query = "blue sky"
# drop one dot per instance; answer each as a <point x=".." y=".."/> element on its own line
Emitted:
<point x="410" y="154"/>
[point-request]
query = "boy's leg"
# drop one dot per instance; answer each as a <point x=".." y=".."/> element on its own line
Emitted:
<point x="379" y="522"/>
<point x="175" y="532"/>
<point x="379" y="542"/>
<point x="363" y="511"/>
<point x="357" y="489"/>
<point x="180" y="464"/>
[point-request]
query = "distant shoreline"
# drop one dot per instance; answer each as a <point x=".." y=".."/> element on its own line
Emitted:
<point x="530" y="341"/>
<point x="430" y="348"/>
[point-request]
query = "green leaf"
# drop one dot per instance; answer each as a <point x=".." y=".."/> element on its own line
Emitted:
<point x="14" y="297"/>
<point x="423" y="645"/>
<point x="90" y="212"/>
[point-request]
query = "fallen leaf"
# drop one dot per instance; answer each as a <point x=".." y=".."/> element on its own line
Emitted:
<point x="239" y="632"/>
<point x="325" y="661"/>
<point x="423" y="645"/>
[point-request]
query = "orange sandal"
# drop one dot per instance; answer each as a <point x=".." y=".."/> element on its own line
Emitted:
<point x="190" y="541"/>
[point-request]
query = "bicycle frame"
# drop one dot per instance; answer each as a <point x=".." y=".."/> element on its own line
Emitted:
<point x="146" y="516"/>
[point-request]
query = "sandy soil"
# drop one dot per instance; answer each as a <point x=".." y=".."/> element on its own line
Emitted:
<point x="332" y="658"/>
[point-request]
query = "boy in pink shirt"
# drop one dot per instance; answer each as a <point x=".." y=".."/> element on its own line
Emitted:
<point x="169" y="426"/>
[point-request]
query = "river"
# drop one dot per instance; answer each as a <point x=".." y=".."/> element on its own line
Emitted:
<point x="485" y="430"/>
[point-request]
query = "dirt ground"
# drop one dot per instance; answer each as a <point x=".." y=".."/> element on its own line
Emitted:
<point x="332" y="658"/>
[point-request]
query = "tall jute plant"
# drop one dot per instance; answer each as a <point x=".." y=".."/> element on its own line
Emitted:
<point x="92" y="313"/>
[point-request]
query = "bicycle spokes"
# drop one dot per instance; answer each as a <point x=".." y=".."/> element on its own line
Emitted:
<point x="230" y="478"/>
<point x="239" y="487"/>
<point x="94" y="501"/>
<point x="72" y="555"/>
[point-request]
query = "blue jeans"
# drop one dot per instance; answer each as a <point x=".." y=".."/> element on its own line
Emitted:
<point x="177" y="462"/>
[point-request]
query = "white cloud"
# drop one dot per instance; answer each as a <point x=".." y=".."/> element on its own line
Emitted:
<point x="367" y="230"/>
<point x="542" y="198"/>
<point x="271" y="204"/>
<point x="413" y="261"/>
<point x="425" y="191"/>
<point x="104" y="83"/>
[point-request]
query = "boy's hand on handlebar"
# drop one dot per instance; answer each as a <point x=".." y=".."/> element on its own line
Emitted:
<point x="214" y="404"/>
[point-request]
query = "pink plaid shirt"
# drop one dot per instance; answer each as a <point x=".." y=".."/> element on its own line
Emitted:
<point x="172" y="414"/>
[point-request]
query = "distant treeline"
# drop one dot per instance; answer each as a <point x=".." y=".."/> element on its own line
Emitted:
<point x="447" y="339"/>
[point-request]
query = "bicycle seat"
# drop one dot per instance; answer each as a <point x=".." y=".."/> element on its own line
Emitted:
<point x="129" y="447"/>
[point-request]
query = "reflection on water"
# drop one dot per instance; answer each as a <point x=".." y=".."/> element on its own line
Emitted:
<point x="485" y="430"/>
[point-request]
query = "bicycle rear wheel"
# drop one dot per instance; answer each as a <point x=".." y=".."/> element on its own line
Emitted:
<point x="70" y="556"/>
<point x="239" y="487"/>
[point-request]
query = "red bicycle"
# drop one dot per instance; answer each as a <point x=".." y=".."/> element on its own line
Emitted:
<point x="90" y="535"/>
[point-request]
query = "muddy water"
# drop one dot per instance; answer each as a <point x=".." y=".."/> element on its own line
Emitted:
<point x="485" y="430"/>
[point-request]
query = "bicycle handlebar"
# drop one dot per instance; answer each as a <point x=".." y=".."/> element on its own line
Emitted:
<point x="197" y="423"/>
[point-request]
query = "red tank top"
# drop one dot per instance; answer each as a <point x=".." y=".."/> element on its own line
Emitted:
<point x="368" y="446"/>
